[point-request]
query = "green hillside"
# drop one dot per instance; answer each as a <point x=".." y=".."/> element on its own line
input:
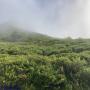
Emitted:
<point x="32" y="61"/>
<point x="14" y="34"/>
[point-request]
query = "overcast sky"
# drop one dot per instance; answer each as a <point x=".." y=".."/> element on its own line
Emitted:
<point x="58" y="18"/>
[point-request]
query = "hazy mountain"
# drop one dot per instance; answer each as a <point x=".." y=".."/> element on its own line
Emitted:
<point x="12" y="33"/>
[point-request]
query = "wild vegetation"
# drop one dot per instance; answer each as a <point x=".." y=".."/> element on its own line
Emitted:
<point x="37" y="62"/>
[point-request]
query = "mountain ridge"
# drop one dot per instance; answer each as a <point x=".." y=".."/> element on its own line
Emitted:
<point x="12" y="33"/>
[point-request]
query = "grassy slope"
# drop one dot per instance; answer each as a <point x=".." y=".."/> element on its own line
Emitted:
<point x="31" y="61"/>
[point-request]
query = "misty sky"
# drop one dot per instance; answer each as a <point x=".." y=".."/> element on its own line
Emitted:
<point x="58" y="18"/>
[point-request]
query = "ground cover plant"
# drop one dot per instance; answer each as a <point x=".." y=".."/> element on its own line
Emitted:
<point x="44" y="63"/>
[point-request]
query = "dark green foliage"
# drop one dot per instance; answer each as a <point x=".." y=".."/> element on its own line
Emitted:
<point x="42" y="63"/>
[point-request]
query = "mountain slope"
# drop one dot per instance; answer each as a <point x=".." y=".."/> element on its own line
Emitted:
<point x="11" y="33"/>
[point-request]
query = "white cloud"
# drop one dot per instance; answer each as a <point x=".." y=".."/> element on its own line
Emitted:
<point x="58" y="18"/>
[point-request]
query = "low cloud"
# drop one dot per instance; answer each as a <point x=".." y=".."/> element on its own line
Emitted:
<point x="58" y="18"/>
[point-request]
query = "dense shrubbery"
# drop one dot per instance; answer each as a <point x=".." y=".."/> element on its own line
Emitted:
<point x="48" y="64"/>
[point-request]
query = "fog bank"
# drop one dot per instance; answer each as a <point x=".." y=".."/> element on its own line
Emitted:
<point x="58" y="18"/>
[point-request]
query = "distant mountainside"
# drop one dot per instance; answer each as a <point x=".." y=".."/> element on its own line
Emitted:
<point x="12" y="33"/>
